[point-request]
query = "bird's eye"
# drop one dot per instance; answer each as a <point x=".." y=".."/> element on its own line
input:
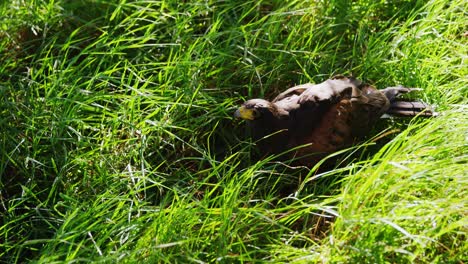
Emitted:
<point x="255" y="112"/>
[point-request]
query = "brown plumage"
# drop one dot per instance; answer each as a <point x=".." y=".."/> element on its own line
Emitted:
<point x="324" y="117"/>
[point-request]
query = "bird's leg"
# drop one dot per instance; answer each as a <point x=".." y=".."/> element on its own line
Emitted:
<point x="392" y="92"/>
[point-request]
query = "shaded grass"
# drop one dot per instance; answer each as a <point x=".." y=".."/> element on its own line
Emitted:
<point x="118" y="141"/>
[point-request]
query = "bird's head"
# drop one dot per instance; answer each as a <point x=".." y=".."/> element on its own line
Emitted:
<point x="255" y="109"/>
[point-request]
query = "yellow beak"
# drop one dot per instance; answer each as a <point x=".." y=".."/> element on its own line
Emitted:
<point x="244" y="113"/>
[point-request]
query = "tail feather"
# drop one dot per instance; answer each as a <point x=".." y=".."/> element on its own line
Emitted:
<point x="410" y="108"/>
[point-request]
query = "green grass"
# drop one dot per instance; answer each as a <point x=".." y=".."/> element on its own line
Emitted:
<point x="118" y="142"/>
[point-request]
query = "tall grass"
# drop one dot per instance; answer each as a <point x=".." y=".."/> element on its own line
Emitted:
<point x="118" y="142"/>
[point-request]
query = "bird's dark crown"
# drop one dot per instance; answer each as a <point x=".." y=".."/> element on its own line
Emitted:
<point x="257" y="104"/>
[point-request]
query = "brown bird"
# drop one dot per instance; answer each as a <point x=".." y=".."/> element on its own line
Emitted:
<point x="320" y="119"/>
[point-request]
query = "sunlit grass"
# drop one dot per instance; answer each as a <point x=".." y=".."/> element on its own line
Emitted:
<point x="118" y="142"/>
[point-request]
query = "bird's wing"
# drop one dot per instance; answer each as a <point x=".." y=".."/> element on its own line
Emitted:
<point x="287" y="104"/>
<point x="334" y="89"/>
<point x="293" y="91"/>
<point x="331" y="114"/>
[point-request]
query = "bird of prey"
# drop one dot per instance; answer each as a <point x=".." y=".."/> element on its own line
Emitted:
<point x="319" y="119"/>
